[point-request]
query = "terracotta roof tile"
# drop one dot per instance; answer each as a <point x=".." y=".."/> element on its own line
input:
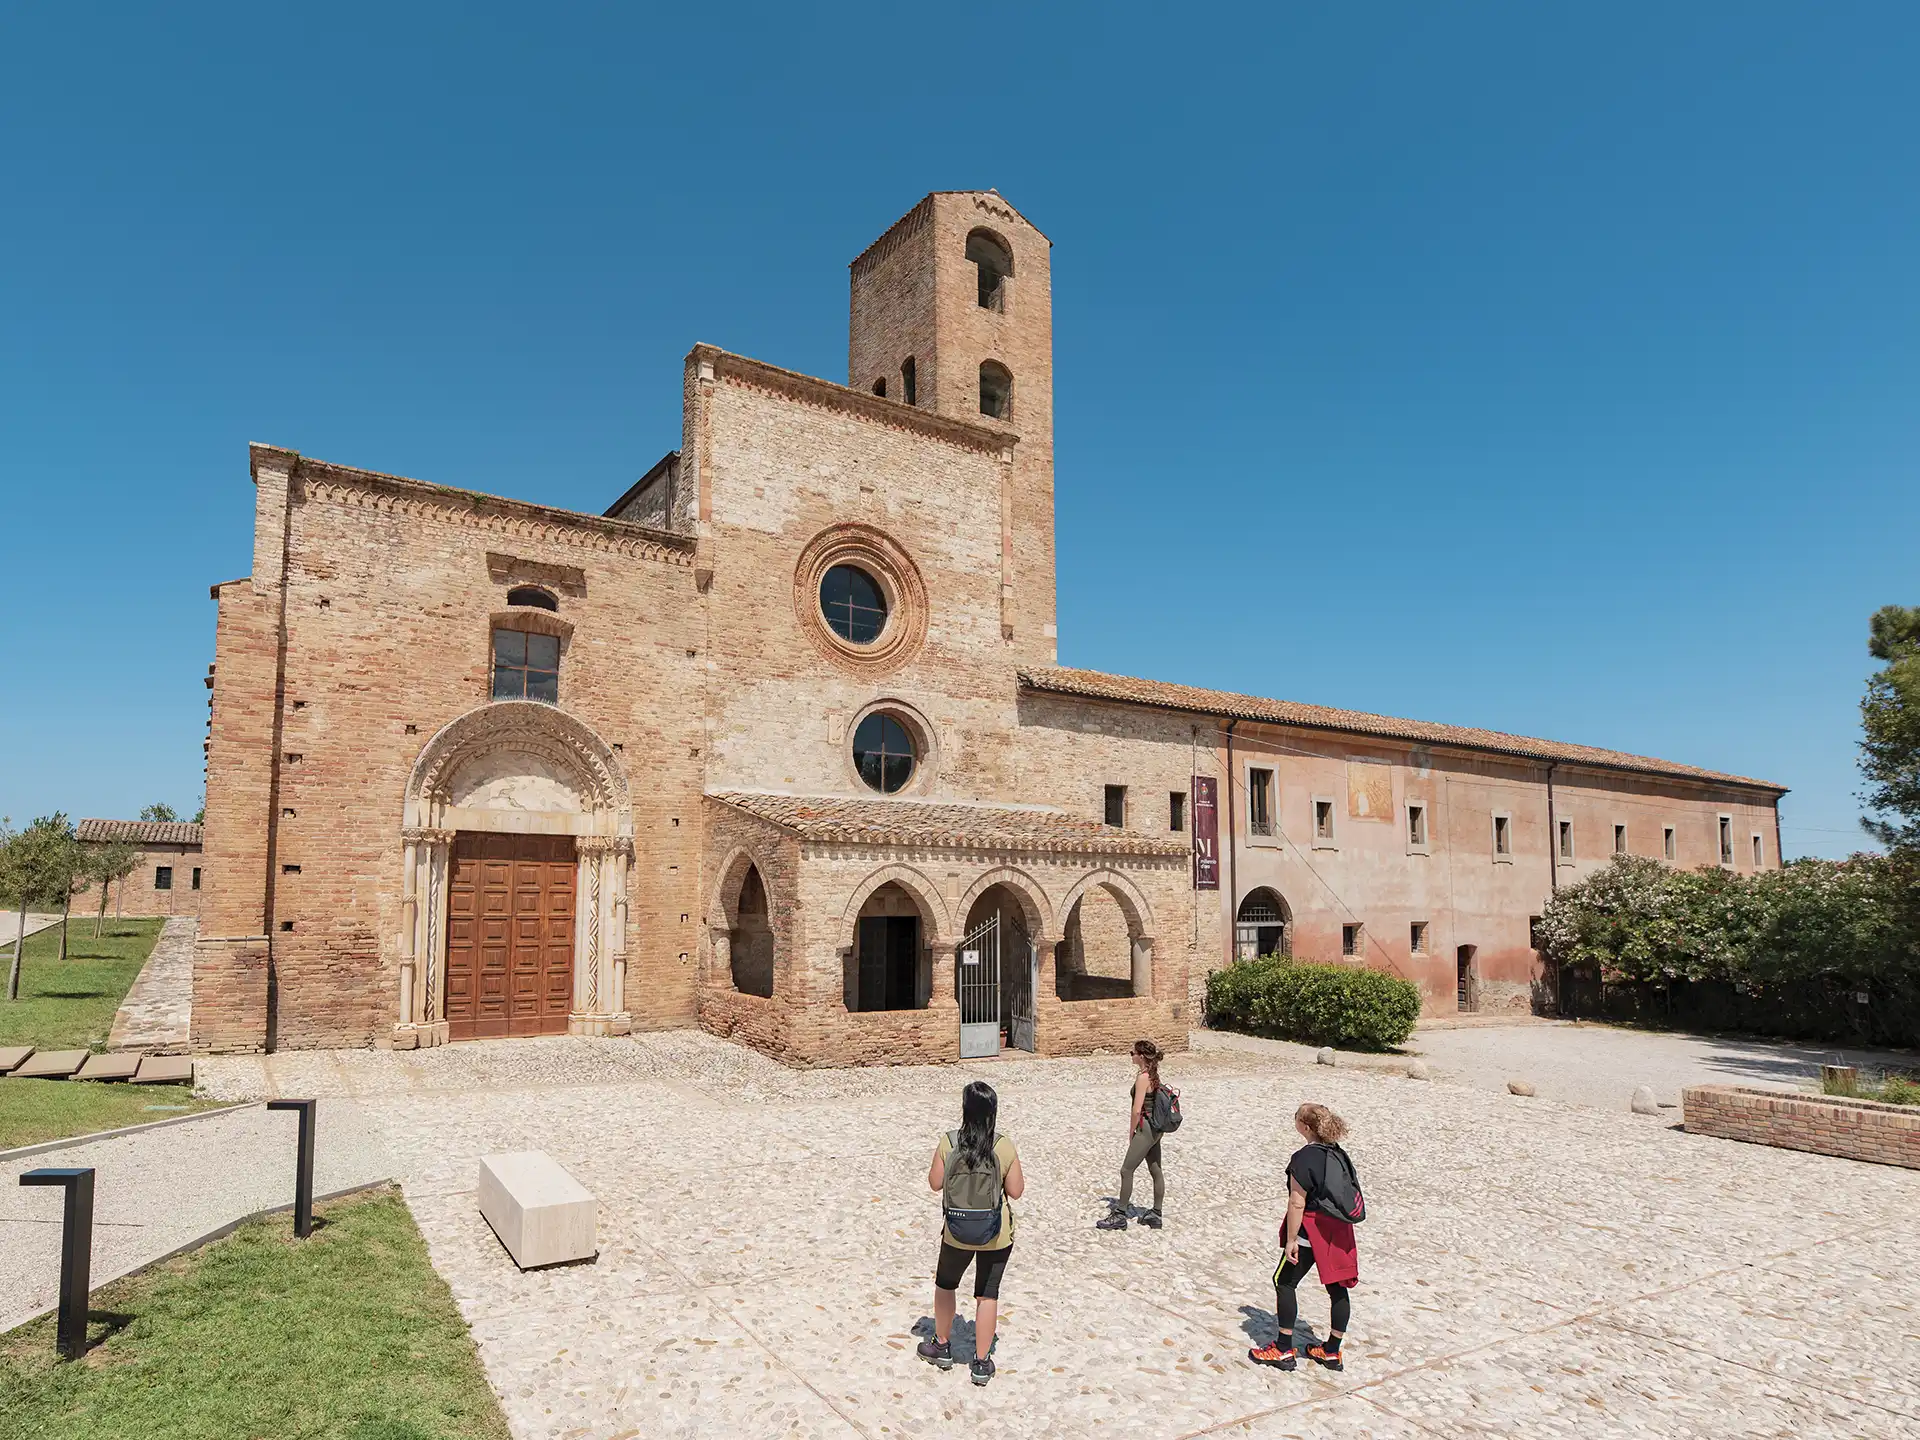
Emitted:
<point x="140" y="832"/>
<point x="1094" y="685"/>
<point x="960" y="827"/>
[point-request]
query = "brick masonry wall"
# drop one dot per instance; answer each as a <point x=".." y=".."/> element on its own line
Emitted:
<point x="1852" y="1129"/>
<point x="138" y="896"/>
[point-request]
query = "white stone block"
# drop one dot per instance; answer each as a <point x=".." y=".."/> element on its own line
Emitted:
<point x="541" y="1213"/>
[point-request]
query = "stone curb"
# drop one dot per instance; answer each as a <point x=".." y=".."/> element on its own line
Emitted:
<point x="46" y="1146"/>
<point x="219" y="1232"/>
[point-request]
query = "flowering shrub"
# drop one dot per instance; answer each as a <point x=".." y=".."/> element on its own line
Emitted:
<point x="1792" y="950"/>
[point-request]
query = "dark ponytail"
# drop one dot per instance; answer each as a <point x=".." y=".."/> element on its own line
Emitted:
<point x="979" y="1108"/>
<point x="1153" y="1055"/>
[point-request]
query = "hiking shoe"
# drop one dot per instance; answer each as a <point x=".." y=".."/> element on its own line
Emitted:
<point x="936" y="1352"/>
<point x="1152" y="1220"/>
<point x="1273" y="1355"/>
<point x="1116" y="1220"/>
<point x="1320" y="1355"/>
<point x="982" y="1368"/>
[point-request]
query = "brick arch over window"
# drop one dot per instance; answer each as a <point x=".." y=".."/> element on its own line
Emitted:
<point x="1132" y="903"/>
<point x="516" y="767"/>
<point x="723" y="922"/>
<point x="1074" y="973"/>
<point x="925" y="895"/>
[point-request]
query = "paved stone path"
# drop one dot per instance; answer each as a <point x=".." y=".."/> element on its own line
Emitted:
<point x="767" y="1241"/>
<point x="157" y="1014"/>
<point x="157" y="1190"/>
<point x="10" y="926"/>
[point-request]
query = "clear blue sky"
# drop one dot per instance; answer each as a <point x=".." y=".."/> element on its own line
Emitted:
<point x="1548" y="368"/>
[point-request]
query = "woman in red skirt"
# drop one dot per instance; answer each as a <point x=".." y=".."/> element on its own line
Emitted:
<point x="1314" y="1239"/>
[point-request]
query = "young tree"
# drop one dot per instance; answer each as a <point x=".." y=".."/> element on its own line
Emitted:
<point x="106" y="866"/>
<point x="161" y="811"/>
<point x="37" y="867"/>
<point x="1890" y="719"/>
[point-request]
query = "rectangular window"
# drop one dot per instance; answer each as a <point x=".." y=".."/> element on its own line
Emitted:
<point x="1502" y="835"/>
<point x="1260" y="802"/>
<point x="1534" y="937"/>
<point x="1176" y="811"/>
<point x="1416" y="824"/>
<point x="196" y="877"/>
<point x="1419" y="937"/>
<point x="909" y="392"/>
<point x="1667" y="846"/>
<point x="1116" y="805"/>
<point x="526" y="666"/>
<point x="1566" y="839"/>
<point x="1726" y="840"/>
<point x="1759" y="853"/>
<point x="163" y="877"/>
<point x="1349" y="939"/>
<point x="1323" y="820"/>
<point x="1619" y="839"/>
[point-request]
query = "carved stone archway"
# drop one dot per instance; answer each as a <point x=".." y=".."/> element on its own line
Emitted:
<point x="516" y="767"/>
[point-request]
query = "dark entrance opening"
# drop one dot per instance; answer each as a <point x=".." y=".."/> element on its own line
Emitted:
<point x="1463" y="977"/>
<point x="889" y="962"/>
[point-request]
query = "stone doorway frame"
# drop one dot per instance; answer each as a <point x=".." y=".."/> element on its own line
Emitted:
<point x="603" y="841"/>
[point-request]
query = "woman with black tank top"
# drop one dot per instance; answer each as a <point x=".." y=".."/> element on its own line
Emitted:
<point x="1313" y="1240"/>
<point x="1143" y="1141"/>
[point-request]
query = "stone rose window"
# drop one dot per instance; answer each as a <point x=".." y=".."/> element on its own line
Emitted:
<point x="854" y="604"/>
<point x="884" y="752"/>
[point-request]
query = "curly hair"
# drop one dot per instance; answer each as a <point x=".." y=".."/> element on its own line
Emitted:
<point x="1327" y="1127"/>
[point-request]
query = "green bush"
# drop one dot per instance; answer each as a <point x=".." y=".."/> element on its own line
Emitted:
<point x="1340" y="1005"/>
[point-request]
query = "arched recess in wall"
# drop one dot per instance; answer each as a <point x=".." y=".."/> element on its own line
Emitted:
<point x="996" y="390"/>
<point x="1105" y="950"/>
<point x="992" y="259"/>
<point x="1263" y="925"/>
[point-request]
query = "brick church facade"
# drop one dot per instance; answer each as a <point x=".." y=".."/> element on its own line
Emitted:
<point x="779" y="745"/>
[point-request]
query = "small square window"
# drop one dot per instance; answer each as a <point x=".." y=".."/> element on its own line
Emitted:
<point x="1667" y="845"/>
<point x="1176" y="811"/>
<point x="1534" y="937"/>
<point x="1323" y="820"/>
<point x="1566" y="840"/>
<point x="1350" y="939"/>
<point x="1503" y="835"/>
<point x="1416" y="824"/>
<point x="1116" y="805"/>
<point x="1419" y="937"/>
<point x="526" y="666"/>
<point x="1619" y="839"/>
<point x="1260" y="802"/>
<point x="163" y="877"/>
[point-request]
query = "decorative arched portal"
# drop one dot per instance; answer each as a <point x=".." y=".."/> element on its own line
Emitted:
<point x="516" y="806"/>
<point x="1106" y="942"/>
<point x="1263" y="925"/>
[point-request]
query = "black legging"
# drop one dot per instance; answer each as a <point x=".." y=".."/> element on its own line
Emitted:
<point x="1286" y="1304"/>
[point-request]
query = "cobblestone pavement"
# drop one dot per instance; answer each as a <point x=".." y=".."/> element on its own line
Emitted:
<point x="1599" y="1065"/>
<point x="767" y="1242"/>
<point x="157" y="1014"/>
<point x="159" y="1189"/>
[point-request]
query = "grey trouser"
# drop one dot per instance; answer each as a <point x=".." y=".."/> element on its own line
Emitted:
<point x="1145" y="1145"/>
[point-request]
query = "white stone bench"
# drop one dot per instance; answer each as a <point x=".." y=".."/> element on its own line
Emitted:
<point x="541" y="1213"/>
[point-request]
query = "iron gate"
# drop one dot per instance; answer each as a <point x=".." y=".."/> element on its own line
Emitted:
<point x="1020" y="1001"/>
<point x="977" y="977"/>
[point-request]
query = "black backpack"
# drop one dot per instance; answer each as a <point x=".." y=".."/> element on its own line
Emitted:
<point x="971" y="1197"/>
<point x="1338" y="1193"/>
<point x="1163" y="1110"/>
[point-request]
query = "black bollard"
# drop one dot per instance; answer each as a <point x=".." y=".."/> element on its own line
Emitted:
<point x="303" y="1171"/>
<point x="76" y="1253"/>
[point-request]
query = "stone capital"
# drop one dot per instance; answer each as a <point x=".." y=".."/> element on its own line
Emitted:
<point x="425" y="835"/>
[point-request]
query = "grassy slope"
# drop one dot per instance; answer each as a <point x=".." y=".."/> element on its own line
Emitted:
<point x="70" y="1005"/>
<point x="348" y="1336"/>
<point x="36" y="1110"/>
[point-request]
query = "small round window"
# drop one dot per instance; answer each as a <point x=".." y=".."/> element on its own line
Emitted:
<point x="854" y="604"/>
<point x="883" y="750"/>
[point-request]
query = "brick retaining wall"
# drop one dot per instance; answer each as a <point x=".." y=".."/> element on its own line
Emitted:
<point x="1824" y="1124"/>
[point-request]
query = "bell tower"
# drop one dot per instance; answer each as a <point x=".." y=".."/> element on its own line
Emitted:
<point x="952" y="311"/>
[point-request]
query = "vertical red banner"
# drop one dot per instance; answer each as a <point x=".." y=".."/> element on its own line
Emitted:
<point x="1206" y="834"/>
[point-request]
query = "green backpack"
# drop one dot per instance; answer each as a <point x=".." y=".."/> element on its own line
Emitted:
<point x="971" y="1196"/>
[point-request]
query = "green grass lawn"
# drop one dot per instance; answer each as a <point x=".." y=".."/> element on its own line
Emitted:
<point x="36" y="1110"/>
<point x="69" y="1005"/>
<point x="349" y="1335"/>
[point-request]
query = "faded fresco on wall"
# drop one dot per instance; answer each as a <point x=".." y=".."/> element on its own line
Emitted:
<point x="1369" y="790"/>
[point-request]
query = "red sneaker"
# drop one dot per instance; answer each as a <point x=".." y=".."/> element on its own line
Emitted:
<point x="1273" y="1355"/>
<point x="1320" y="1355"/>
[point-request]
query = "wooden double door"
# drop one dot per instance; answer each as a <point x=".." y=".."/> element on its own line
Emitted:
<point x="510" y="918"/>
